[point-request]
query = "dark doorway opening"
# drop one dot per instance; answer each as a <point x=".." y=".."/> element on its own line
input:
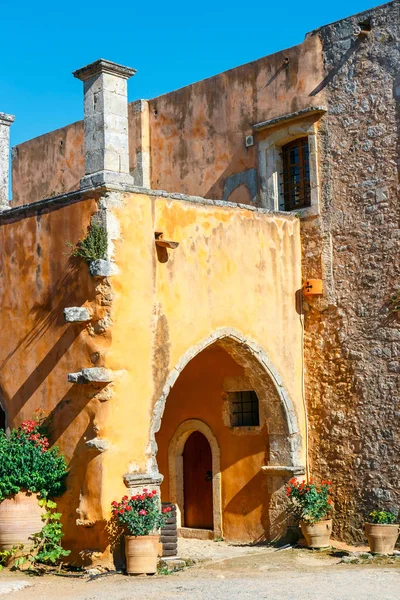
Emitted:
<point x="197" y="482"/>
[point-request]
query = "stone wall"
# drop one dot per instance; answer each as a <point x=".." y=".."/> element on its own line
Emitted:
<point x="352" y="339"/>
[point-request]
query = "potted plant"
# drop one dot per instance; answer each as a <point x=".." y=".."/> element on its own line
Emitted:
<point x="382" y="531"/>
<point x="313" y="505"/>
<point x="29" y="470"/>
<point x="140" y="517"/>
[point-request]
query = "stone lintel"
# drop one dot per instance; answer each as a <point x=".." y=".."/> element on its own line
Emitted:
<point x="137" y="482"/>
<point x="6" y="119"/>
<point x="304" y="112"/>
<point x="76" y="314"/>
<point x="103" y="66"/>
<point x="92" y="375"/>
<point x="280" y="470"/>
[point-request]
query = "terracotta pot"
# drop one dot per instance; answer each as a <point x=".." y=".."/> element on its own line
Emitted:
<point x="381" y="538"/>
<point x="318" y="534"/>
<point x="19" y="519"/>
<point x="141" y="554"/>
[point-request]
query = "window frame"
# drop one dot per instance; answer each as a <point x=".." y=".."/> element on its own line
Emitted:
<point x="271" y="165"/>
<point x="235" y="398"/>
<point x="301" y="188"/>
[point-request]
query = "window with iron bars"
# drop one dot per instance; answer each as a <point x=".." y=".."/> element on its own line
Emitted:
<point x="244" y="409"/>
<point x="295" y="185"/>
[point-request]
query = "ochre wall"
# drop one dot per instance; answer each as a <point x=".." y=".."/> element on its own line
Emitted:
<point x="233" y="268"/>
<point x="199" y="394"/>
<point x="49" y="165"/>
<point x="197" y="133"/>
<point x="38" y="349"/>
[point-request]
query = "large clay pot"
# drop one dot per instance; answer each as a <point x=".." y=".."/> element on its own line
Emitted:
<point x="20" y="517"/>
<point x="382" y="538"/>
<point x="318" y="534"/>
<point x="141" y="554"/>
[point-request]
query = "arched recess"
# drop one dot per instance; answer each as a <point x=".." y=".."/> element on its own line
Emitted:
<point x="286" y="445"/>
<point x="175" y="464"/>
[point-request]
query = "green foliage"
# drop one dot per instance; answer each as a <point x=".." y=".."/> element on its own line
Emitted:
<point x="47" y="543"/>
<point x="140" y="514"/>
<point x="94" y="245"/>
<point x="46" y="548"/>
<point x="395" y="302"/>
<point x="312" y="503"/>
<point x="382" y="517"/>
<point x="26" y="465"/>
<point x="6" y="556"/>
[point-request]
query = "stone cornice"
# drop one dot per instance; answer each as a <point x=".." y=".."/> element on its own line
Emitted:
<point x="6" y="119"/>
<point x="103" y="66"/>
<point x="304" y="112"/>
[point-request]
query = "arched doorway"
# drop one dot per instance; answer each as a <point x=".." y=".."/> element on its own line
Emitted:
<point x="197" y="482"/>
<point x="202" y="394"/>
<point x="201" y="439"/>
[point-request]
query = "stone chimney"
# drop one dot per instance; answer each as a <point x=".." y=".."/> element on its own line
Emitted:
<point x="5" y="123"/>
<point x="105" y="123"/>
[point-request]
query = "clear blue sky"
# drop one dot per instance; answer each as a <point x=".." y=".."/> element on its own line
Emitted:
<point x="171" y="44"/>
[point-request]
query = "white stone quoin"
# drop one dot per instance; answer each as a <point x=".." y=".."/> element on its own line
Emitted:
<point x="105" y="123"/>
<point x="5" y="123"/>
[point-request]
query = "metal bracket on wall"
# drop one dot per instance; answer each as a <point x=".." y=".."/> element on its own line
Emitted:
<point x="164" y="243"/>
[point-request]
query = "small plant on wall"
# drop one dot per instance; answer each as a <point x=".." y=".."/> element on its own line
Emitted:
<point x="93" y="246"/>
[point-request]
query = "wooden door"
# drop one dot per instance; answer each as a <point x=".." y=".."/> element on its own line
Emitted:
<point x="197" y="482"/>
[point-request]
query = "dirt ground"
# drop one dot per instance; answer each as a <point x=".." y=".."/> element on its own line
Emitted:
<point x="227" y="572"/>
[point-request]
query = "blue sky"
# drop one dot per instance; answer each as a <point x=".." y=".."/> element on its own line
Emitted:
<point x="171" y="44"/>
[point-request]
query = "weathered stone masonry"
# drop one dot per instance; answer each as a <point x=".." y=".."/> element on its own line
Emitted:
<point x="352" y="341"/>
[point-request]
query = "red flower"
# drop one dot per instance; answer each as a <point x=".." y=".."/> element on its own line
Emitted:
<point x="114" y="503"/>
<point x="154" y="492"/>
<point x="129" y="508"/>
<point x="293" y="481"/>
<point x="115" y="513"/>
<point x="142" y="512"/>
<point x="167" y="509"/>
<point x="121" y="512"/>
<point x="288" y="490"/>
<point x="145" y="490"/>
<point x="125" y="498"/>
<point x="134" y="498"/>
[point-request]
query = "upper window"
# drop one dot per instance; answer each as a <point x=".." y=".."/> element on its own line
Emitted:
<point x="295" y="185"/>
<point x="244" y="409"/>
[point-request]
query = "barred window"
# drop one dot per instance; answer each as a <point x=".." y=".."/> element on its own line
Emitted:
<point x="244" y="409"/>
<point x="295" y="185"/>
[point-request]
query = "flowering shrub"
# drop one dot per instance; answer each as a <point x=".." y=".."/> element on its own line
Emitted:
<point x="27" y="463"/>
<point x="140" y="514"/>
<point x="382" y="517"/>
<point x="312" y="503"/>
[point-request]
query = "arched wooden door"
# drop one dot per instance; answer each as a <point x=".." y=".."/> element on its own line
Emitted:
<point x="197" y="482"/>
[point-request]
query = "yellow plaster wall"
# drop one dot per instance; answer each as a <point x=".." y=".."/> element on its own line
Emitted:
<point x="233" y="268"/>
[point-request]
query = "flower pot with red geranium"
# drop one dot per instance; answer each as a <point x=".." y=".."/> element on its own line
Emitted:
<point x="141" y="517"/>
<point x="29" y="470"/>
<point x="313" y="506"/>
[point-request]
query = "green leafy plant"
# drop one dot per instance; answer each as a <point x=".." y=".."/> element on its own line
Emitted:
<point x="46" y="548"/>
<point x="6" y="556"/>
<point x="27" y="463"/>
<point x="382" y="517"/>
<point x="93" y="246"/>
<point x="311" y="502"/>
<point x="140" y="514"/>
<point x="395" y="302"/>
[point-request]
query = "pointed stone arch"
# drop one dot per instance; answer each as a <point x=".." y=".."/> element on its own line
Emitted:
<point x="286" y="445"/>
